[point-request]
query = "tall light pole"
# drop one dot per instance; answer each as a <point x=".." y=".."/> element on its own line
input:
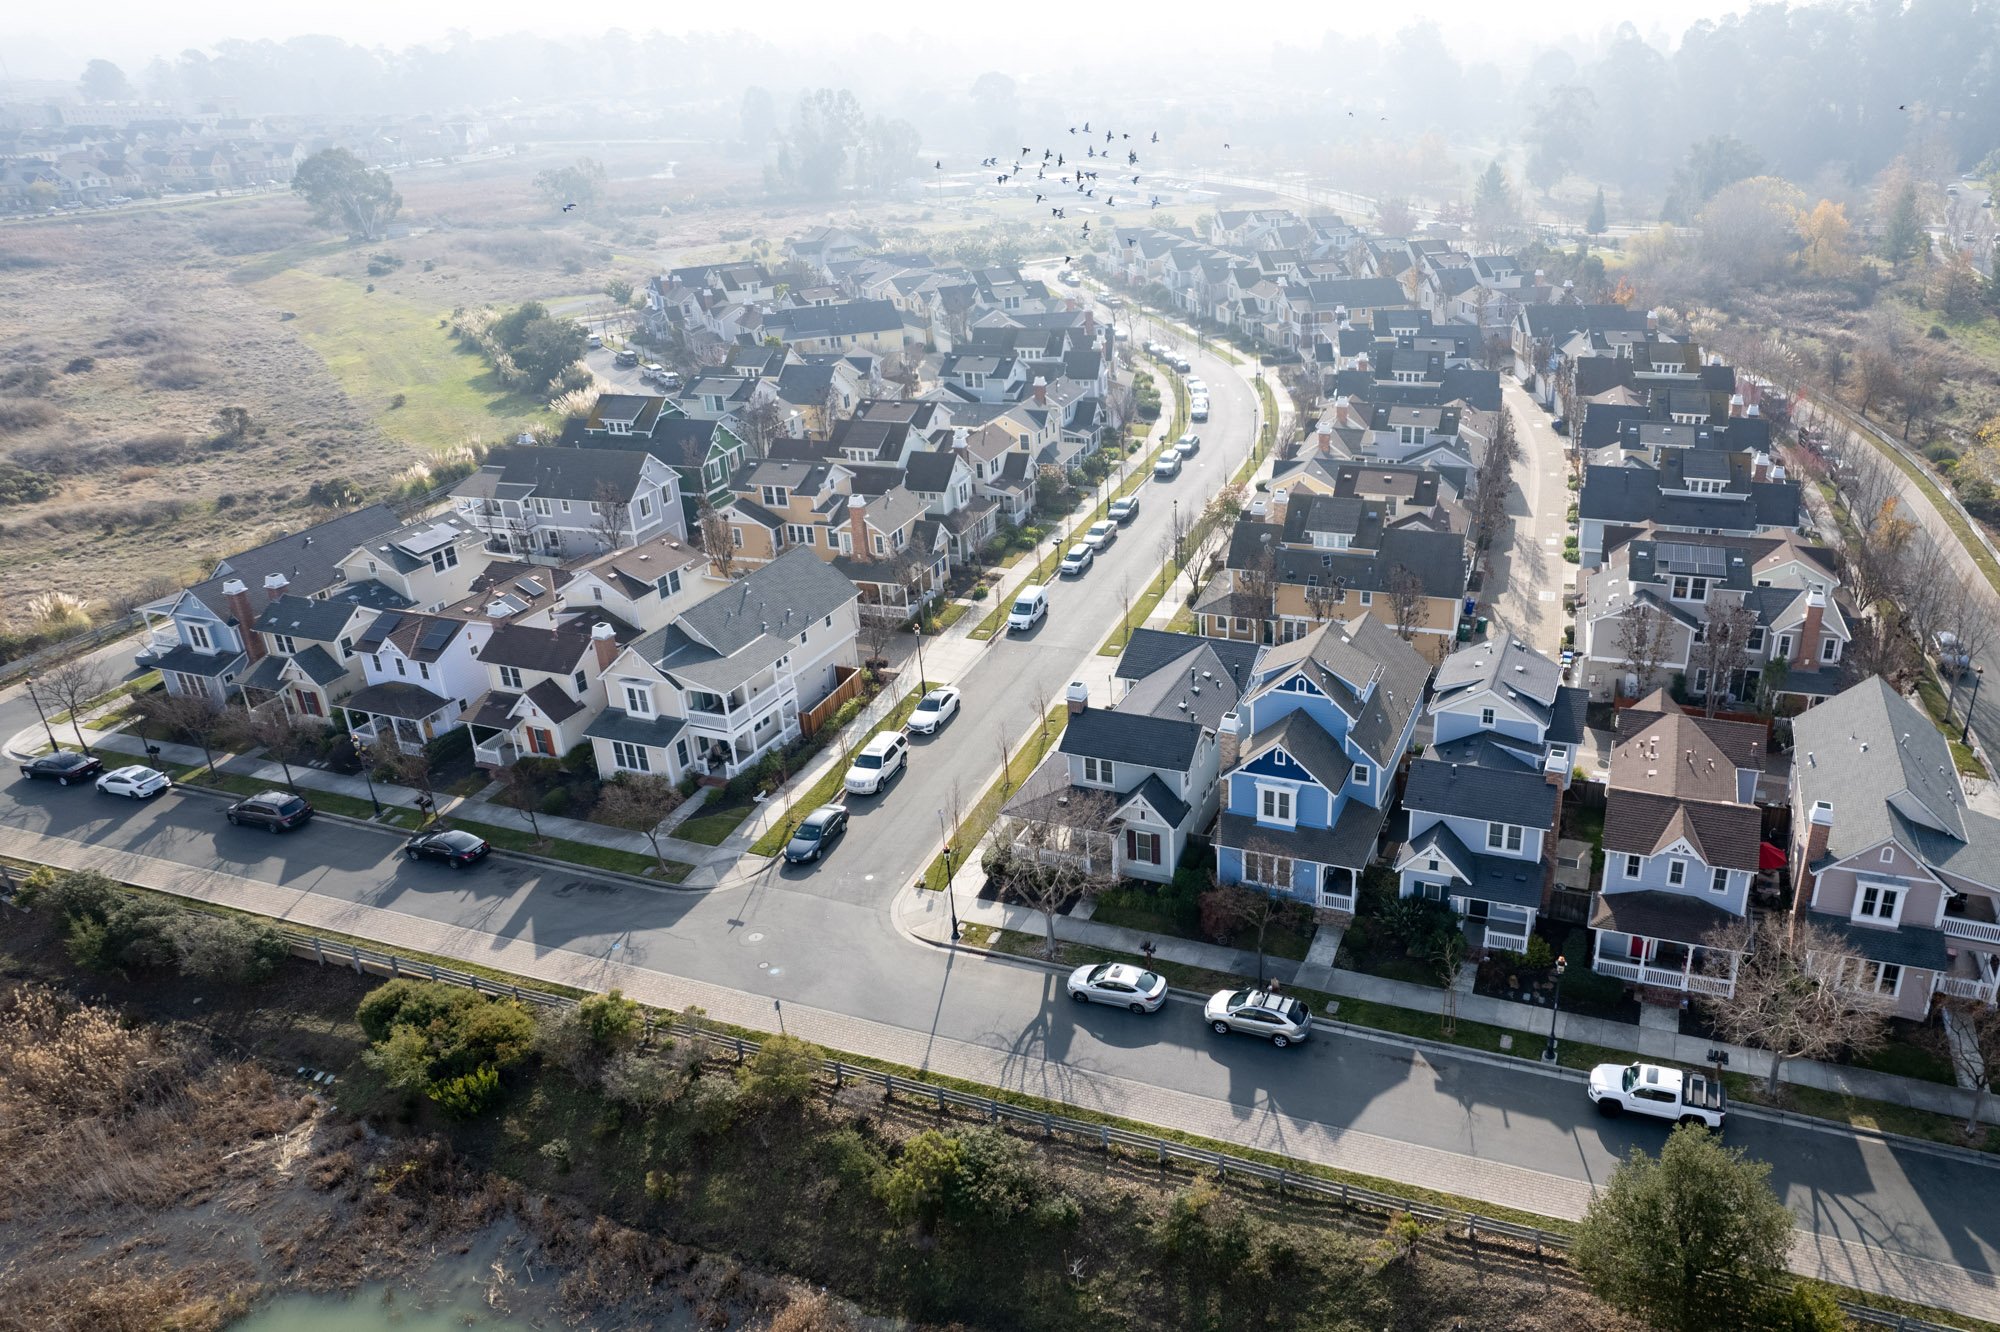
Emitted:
<point x="43" y="715"/>
<point x="368" y="774"/>
<point x="950" y="898"/>
<point x="1555" y="1008"/>
<point x="1978" y="674"/>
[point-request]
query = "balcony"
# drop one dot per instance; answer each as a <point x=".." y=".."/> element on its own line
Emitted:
<point x="1971" y="917"/>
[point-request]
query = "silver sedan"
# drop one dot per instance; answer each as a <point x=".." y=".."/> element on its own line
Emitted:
<point x="1116" y="983"/>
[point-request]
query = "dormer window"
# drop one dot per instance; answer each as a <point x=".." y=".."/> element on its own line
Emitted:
<point x="283" y="644"/>
<point x="447" y="558"/>
<point x="197" y="636"/>
<point x="777" y="497"/>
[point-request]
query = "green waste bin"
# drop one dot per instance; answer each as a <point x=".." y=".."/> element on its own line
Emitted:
<point x="1481" y="627"/>
<point x="1465" y="631"/>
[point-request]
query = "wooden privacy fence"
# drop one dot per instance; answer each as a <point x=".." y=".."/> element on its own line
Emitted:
<point x="849" y="687"/>
<point x="1283" y="1179"/>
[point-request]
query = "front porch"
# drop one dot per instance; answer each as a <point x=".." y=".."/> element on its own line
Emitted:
<point x="404" y="715"/>
<point x="1318" y="866"/>
<point x="1656" y="939"/>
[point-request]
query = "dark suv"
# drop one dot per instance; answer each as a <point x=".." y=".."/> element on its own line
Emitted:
<point x="276" y="810"/>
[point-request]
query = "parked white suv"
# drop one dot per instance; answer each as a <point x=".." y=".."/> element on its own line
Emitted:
<point x="878" y="762"/>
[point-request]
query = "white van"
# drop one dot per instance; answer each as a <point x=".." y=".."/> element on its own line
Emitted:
<point x="1029" y="608"/>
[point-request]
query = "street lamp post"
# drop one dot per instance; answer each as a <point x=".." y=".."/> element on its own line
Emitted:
<point x="43" y="715"/>
<point x="1978" y="674"/>
<point x="950" y="898"/>
<point x="1555" y="1008"/>
<point x="368" y="774"/>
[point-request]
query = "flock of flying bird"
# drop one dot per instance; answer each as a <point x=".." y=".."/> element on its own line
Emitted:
<point x="1083" y="180"/>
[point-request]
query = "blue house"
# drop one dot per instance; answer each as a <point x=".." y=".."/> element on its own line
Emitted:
<point x="1326" y="721"/>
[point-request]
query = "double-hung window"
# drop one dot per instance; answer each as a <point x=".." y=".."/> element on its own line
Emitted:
<point x="1503" y="837"/>
<point x="510" y="677"/>
<point x="1878" y="902"/>
<point x="1274" y="805"/>
<point x="1098" y="771"/>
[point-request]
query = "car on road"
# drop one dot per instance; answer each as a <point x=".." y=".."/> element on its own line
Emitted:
<point x="595" y="339"/>
<point x="63" y="767"/>
<point x="1179" y="363"/>
<point x="1116" y="983"/>
<point x="1101" y="534"/>
<point x="1168" y="467"/>
<point x="816" y="832"/>
<point x="934" y="710"/>
<point x="625" y="360"/>
<point x="878" y="763"/>
<point x="1125" y="510"/>
<point x="1030" y="607"/>
<point x="1188" y="445"/>
<point x="275" y="810"/>
<point x="1077" y="562"/>
<point x="454" y="846"/>
<point x="1279" y="1020"/>
<point x="1197" y="386"/>
<point x="1198" y="410"/>
<point x="1663" y="1093"/>
<point x="135" y="782"/>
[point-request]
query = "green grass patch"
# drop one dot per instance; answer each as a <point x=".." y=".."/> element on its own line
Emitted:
<point x="1183" y="621"/>
<point x="1950" y="514"/>
<point x="1174" y="909"/>
<point x="829" y="786"/>
<point x="972" y="827"/>
<point x="1948" y="718"/>
<point x="1267" y="435"/>
<point x="380" y="346"/>
<point x="237" y="784"/>
<point x="577" y="853"/>
<point x="1148" y="601"/>
<point x="138" y="685"/>
<point x="953" y="612"/>
<point x="712" y="824"/>
<point x="1865" y="1114"/>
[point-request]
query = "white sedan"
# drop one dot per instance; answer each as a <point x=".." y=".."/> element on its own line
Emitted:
<point x="1116" y="983"/>
<point x="137" y="782"/>
<point x="1101" y="534"/>
<point x="936" y="708"/>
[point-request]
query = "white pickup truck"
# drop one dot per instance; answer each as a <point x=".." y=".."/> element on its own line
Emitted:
<point x="1664" y="1093"/>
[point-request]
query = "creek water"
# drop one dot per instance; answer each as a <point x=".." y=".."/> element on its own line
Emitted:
<point x="486" y="1288"/>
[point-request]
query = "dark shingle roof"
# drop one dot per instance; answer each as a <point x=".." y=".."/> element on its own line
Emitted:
<point x="1164" y="802"/>
<point x="1659" y="915"/>
<point x="1309" y="746"/>
<point x="1726" y="836"/>
<point x="1349" y="844"/>
<point x="308" y="559"/>
<point x="658" y="732"/>
<point x="1490" y="878"/>
<point x="1490" y="794"/>
<point x="1150" y="649"/>
<point x="1130" y="737"/>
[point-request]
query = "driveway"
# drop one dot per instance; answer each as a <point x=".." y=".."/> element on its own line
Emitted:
<point x="1527" y="574"/>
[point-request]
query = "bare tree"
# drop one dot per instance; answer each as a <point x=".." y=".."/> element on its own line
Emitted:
<point x="763" y="424"/>
<point x="196" y="718"/>
<point x="1211" y="531"/>
<point x="1257" y="588"/>
<point x="72" y="686"/>
<point x="1878" y="374"/>
<point x="1722" y="646"/>
<point x="718" y="539"/>
<point x="1228" y="907"/>
<point x="640" y="804"/>
<point x="1798" y="995"/>
<point x="1922" y="393"/>
<point x="1931" y="586"/>
<point x="1406" y="601"/>
<point x="1323" y="600"/>
<point x="1645" y="632"/>
<point x="1050" y="863"/>
<point x="409" y="769"/>
<point x="523" y="783"/>
<point x="607" y="516"/>
<point x="1875" y="553"/>
<point x="1968" y="1034"/>
<point x="280" y="734"/>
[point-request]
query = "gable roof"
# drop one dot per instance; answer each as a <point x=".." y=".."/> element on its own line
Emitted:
<point x="309" y="559"/>
<point x="1308" y="744"/>
<point x="783" y="597"/>
<point x="1865" y="747"/>
<point x="1489" y="794"/>
<point x="1132" y="737"/>
<point x="549" y="472"/>
<point x="1722" y="835"/>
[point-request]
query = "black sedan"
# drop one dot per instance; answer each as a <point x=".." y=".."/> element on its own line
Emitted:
<point x="63" y="766"/>
<point x="815" y="833"/>
<point x="453" y="846"/>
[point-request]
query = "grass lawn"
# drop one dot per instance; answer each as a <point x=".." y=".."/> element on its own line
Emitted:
<point x="1947" y="715"/>
<point x="718" y="817"/>
<point x="973" y="825"/>
<point x="1169" y="910"/>
<point x="378" y="346"/>
<point x="577" y="853"/>
<point x="1148" y="601"/>
<point x="953" y="612"/>
<point x="1907" y="1056"/>
<point x="828" y="787"/>
<point x="1183" y="621"/>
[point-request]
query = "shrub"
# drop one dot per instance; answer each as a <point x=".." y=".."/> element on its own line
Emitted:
<point x="1539" y="957"/>
<point x="714" y="1103"/>
<point x="397" y="400"/>
<point x="1805" y="1307"/>
<point x="227" y="948"/>
<point x="466" y="1095"/>
<point x="781" y="1073"/>
<point x="555" y="801"/>
<point x="80" y="365"/>
<point x="18" y="485"/>
<point x="979" y="1177"/>
<point x="557" y="1153"/>
<point x="429" y="1032"/>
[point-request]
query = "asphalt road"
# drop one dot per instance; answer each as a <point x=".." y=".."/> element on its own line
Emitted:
<point x="823" y="938"/>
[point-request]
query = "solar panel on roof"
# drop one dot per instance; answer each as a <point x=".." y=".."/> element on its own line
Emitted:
<point x="531" y="587"/>
<point x="428" y="540"/>
<point x="436" y="634"/>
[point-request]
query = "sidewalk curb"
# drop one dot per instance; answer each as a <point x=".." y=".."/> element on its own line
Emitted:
<point x="551" y="862"/>
<point x="1516" y="1064"/>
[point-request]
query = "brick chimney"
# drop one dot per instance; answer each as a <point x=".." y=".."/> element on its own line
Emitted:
<point x="1760" y="467"/>
<point x="274" y="586"/>
<point x="238" y="594"/>
<point x="605" y="642"/>
<point x="1652" y="318"/>
<point x="1342" y="415"/>
<point x="1041" y="391"/>
<point x="1077" y="696"/>
<point x="1807" y="657"/>
<point x="1819" y="828"/>
<point x="857" y="526"/>
<point x="1735" y="404"/>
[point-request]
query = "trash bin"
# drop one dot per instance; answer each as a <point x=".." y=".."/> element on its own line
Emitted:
<point x="1481" y="625"/>
<point x="1465" y="631"/>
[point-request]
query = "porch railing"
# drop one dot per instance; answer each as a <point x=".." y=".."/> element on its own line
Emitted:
<point x="1964" y="987"/>
<point x="1665" y="978"/>
<point x="1979" y="931"/>
<point x="1504" y="942"/>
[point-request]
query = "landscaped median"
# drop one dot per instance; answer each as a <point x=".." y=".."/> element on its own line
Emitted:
<point x="833" y="781"/>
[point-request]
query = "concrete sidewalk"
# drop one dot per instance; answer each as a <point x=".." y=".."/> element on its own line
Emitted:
<point x="930" y="922"/>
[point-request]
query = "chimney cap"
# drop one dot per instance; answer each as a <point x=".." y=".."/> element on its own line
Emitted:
<point x="602" y="630"/>
<point x="235" y="587"/>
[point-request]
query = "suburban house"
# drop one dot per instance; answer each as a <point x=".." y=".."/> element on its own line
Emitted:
<point x="204" y="646"/>
<point x="553" y="504"/>
<point x="1888" y="856"/>
<point x="545" y="685"/>
<point x="421" y="672"/>
<point x="425" y="563"/>
<point x="1327" y="557"/>
<point x="732" y="678"/>
<point x="645" y="586"/>
<point x="942" y="481"/>
<point x="874" y="326"/>
<point x="1131" y="782"/>
<point x="1327" y="721"/>
<point x="303" y="657"/>
<point x="1653" y="603"/>
<point x="1683" y="838"/>
<point x="705" y="453"/>
<point x="1683" y="494"/>
<point x="1484" y="802"/>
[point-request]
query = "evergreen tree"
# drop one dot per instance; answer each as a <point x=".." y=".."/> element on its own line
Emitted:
<point x="1595" y="224"/>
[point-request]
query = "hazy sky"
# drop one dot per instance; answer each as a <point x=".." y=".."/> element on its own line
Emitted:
<point x="52" y="41"/>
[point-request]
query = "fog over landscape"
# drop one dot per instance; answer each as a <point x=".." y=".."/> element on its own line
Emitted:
<point x="623" y="580"/>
